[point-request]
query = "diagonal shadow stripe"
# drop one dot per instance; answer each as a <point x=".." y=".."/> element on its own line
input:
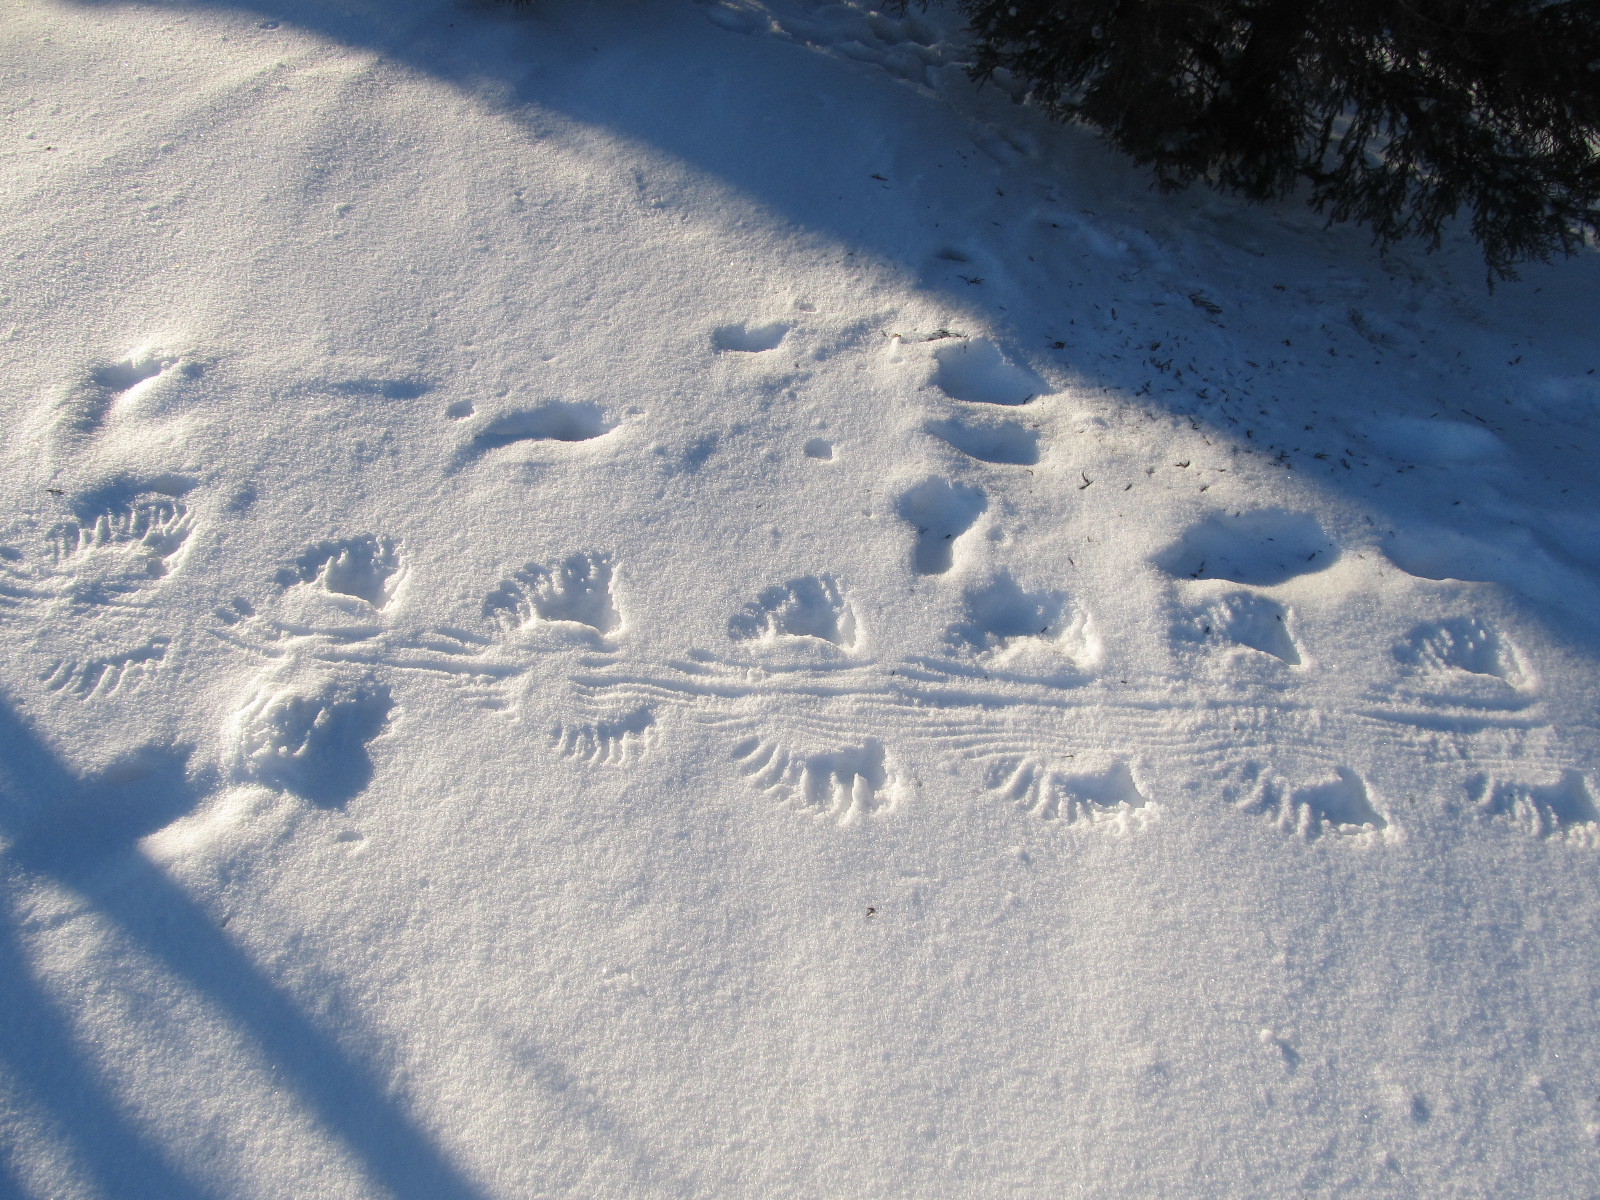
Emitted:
<point x="65" y="828"/>
<point x="37" y="1051"/>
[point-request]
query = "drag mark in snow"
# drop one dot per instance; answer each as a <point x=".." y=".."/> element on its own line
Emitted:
<point x="1079" y="754"/>
<point x="93" y="678"/>
<point x="469" y="661"/>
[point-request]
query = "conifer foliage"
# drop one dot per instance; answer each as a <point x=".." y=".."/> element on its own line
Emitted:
<point x="1397" y="114"/>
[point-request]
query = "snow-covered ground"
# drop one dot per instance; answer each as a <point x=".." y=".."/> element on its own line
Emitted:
<point x="659" y="598"/>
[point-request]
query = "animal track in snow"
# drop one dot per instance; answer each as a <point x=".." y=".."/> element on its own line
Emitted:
<point x="92" y="678"/>
<point x="616" y="740"/>
<point x="553" y="421"/>
<point x="1340" y="805"/>
<point x="749" y="339"/>
<point x="812" y="607"/>
<point x="121" y="377"/>
<point x="577" y="593"/>
<point x="1055" y="794"/>
<point x="1039" y="635"/>
<point x="310" y="737"/>
<point x="85" y="406"/>
<point x="99" y="558"/>
<point x="820" y="449"/>
<point x="1244" y="619"/>
<point x="1067" y="747"/>
<point x="844" y="783"/>
<point x="1005" y="442"/>
<point x="999" y="611"/>
<point x="975" y="371"/>
<point x="1461" y="644"/>
<point x="1563" y="809"/>
<point x="1261" y="548"/>
<point x="940" y="512"/>
<point x="365" y="568"/>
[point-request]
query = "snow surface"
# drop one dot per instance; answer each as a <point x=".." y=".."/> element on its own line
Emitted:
<point x="659" y="598"/>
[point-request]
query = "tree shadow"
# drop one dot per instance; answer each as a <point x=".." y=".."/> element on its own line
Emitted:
<point x="43" y="1062"/>
<point x="79" y="834"/>
<point x="1128" y="279"/>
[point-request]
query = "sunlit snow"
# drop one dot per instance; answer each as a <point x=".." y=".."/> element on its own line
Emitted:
<point x="664" y="598"/>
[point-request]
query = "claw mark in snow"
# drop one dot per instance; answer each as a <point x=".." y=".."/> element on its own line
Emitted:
<point x="365" y="568"/>
<point x="577" y="593"/>
<point x="1056" y="794"/>
<point x="615" y="741"/>
<point x="91" y="678"/>
<point x="1340" y="805"/>
<point x="809" y="607"/>
<point x="1462" y="644"/>
<point x="844" y="783"/>
<point x="1244" y="619"/>
<point x="1563" y="809"/>
<point x="104" y="556"/>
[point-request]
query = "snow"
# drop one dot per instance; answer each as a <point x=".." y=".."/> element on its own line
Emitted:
<point x="664" y="599"/>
